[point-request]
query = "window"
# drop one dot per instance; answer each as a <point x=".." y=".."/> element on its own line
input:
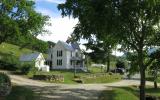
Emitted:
<point x="71" y="63"/>
<point x="77" y="54"/>
<point x="59" y="53"/>
<point x="51" y="56"/>
<point x="59" y="62"/>
<point x="71" y="54"/>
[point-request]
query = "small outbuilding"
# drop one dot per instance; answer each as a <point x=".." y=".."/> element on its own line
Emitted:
<point x="37" y="59"/>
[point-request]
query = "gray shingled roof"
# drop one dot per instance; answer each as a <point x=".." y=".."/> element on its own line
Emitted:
<point x="29" y="57"/>
<point x="75" y="45"/>
<point x="67" y="46"/>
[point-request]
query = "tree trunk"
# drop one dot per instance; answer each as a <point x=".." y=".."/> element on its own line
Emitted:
<point x="142" y="74"/>
<point x="155" y="84"/>
<point x="108" y="62"/>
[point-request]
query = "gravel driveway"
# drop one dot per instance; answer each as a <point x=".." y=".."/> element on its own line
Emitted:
<point x="52" y="91"/>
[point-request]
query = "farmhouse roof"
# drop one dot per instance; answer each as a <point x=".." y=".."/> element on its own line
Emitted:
<point x="29" y="57"/>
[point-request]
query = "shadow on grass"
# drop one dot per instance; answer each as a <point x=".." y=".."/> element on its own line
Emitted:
<point x="107" y="95"/>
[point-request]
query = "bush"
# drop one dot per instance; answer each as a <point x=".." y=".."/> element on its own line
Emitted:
<point x="32" y="72"/>
<point x="5" y="84"/>
<point x="9" y="62"/>
<point x="25" y="68"/>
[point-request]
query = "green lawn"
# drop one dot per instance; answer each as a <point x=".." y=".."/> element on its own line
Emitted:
<point x="69" y="77"/>
<point x="21" y="93"/>
<point x="126" y="93"/>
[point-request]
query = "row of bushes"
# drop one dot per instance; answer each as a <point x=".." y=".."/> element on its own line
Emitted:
<point x="50" y="78"/>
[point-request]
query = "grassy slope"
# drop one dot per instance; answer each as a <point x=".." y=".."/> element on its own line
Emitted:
<point x="126" y="93"/>
<point x="14" y="50"/>
<point x="10" y="49"/>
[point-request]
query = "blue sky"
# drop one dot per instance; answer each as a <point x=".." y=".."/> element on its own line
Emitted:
<point x="61" y="27"/>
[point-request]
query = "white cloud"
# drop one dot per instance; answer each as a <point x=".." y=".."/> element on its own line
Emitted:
<point x="53" y="1"/>
<point x="45" y="11"/>
<point x="61" y="28"/>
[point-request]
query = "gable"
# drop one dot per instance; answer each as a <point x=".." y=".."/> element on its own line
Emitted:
<point x="63" y="46"/>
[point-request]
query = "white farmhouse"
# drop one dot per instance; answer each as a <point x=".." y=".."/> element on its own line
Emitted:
<point x="65" y="56"/>
<point x="35" y="58"/>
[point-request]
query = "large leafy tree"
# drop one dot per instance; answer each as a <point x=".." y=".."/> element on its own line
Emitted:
<point x="134" y="22"/>
<point x="18" y="17"/>
<point x="101" y="51"/>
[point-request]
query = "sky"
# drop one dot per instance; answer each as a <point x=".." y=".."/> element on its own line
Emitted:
<point x="61" y="28"/>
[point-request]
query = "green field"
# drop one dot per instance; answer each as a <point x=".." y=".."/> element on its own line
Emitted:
<point x="127" y="93"/>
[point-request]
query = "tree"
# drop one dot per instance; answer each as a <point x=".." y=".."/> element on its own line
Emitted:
<point x="18" y="17"/>
<point x="101" y="51"/>
<point x="134" y="22"/>
<point x="154" y="69"/>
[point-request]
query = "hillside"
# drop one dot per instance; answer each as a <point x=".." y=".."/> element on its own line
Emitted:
<point x="10" y="49"/>
<point x="9" y="55"/>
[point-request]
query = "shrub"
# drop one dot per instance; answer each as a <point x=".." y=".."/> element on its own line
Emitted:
<point x="32" y="72"/>
<point x="5" y="84"/>
<point x="9" y="62"/>
<point x="25" y="68"/>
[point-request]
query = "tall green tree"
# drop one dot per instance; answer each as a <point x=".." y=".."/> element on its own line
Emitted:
<point x="134" y="22"/>
<point x="101" y="51"/>
<point x="18" y="17"/>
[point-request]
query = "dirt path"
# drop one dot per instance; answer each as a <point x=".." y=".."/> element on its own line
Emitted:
<point x="52" y="91"/>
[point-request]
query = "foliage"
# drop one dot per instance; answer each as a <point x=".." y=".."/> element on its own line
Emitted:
<point x="5" y="84"/>
<point x="28" y="68"/>
<point x="8" y="62"/>
<point x="20" y="18"/>
<point x="120" y="64"/>
<point x="154" y="69"/>
<point x="134" y="23"/>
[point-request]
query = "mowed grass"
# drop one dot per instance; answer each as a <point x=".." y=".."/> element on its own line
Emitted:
<point x="21" y="93"/>
<point x="127" y="93"/>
